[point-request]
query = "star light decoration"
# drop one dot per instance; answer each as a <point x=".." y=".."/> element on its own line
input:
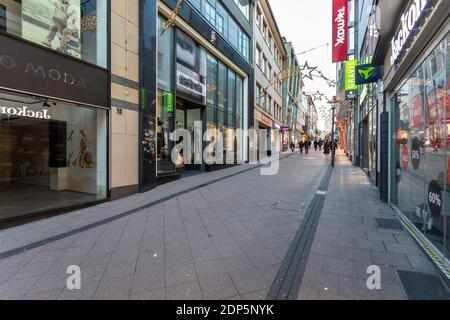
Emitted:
<point x="313" y="72"/>
<point x="317" y="96"/>
<point x="307" y="71"/>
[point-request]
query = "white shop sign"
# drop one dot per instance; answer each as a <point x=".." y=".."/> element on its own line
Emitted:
<point x="25" y="112"/>
<point x="409" y="22"/>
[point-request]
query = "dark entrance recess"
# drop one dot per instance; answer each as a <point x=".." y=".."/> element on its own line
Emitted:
<point x="187" y="113"/>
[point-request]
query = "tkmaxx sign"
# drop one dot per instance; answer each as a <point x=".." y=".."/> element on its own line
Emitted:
<point x="340" y="30"/>
<point x="409" y="21"/>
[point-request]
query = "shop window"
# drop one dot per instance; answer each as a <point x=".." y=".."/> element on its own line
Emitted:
<point x="74" y="27"/>
<point x="211" y="95"/>
<point x="52" y="155"/>
<point x="2" y="18"/>
<point x="421" y="181"/>
<point x="222" y="86"/>
<point x="231" y="92"/>
<point x="165" y="54"/>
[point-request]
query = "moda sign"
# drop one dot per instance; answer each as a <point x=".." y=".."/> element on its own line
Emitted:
<point x="409" y="22"/>
<point x="35" y="70"/>
<point x="24" y="112"/>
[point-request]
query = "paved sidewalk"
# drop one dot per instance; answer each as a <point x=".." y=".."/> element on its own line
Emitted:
<point x="348" y="241"/>
<point x="212" y="237"/>
<point x="224" y="240"/>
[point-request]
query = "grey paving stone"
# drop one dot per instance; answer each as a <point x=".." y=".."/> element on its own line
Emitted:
<point x="150" y="280"/>
<point x="402" y="248"/>
<point x="93" y="273"/>
<point x="256" y="296"/>
<point x="217" y="288"/>
<point x="180" y="275"/>
<point x="420" y="263"/>
<point x="210" y="268"/>
<point x="33" y="269"/>
<point x="249" y="281"/>
<point x="263" y="258"/>
<point x="238" y="263"/>
<point x="229" y="250"/>
<point x="159" y="294"/>
<point x="270" y="272"/>
<point x="308" y="293"/>
<point x="16" y="287"/>
<point x="120" y="268"/>
<point x="186" y="291"/>
<point x="391" y="259"/>
<point x="175" y="247"/>
<point x="48" y="256"/>
<point x="43" y="295"/>
<point x="114" y="289"/>
<point x="50" y="282"/>
<point x="179" y="259"/>
<point x="252" y="245"/>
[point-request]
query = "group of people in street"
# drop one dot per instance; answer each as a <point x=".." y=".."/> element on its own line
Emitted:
<point x="318" y="144"/>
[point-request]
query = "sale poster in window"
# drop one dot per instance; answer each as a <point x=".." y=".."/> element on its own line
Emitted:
<point x="54" y="24"/>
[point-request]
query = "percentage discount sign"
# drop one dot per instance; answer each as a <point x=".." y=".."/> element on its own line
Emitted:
<point x="435" y="198"/>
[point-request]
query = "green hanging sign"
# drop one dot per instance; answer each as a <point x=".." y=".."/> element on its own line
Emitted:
<point x="368" y="73"/>
<point x="169" y="102"/>
<point x="350" y="75"/>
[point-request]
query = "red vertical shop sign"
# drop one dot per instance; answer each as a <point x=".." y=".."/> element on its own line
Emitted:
<point x="340" y="30"/>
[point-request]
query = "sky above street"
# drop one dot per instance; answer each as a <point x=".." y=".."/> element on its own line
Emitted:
<point x="307" y="23"/>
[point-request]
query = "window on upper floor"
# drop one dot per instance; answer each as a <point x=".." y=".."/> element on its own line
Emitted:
<point x="219" y="18"/>
<point x="244" y="6"/>
<point x="83" y="35"/>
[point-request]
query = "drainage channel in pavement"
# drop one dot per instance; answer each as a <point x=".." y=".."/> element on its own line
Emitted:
<point x="286" y="285"/>
<point x="40" y="243"/>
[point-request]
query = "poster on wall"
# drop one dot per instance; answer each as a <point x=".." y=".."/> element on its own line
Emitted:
<point x="54" y="24"/>
<point x="417" y="110"/>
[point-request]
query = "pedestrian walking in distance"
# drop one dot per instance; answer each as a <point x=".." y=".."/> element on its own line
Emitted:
<point x="301" y="145"/>
<point x="307" y="145"/>
<point x="316" y="145"/>
<point x="293" y="147"/>
<point x="327" y="149"/>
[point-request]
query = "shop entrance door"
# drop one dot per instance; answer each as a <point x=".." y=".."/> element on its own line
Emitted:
<point x="365" y="145"/>
<point x="186" y="118"/>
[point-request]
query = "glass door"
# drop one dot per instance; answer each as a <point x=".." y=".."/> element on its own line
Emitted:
<point x="193" y="125"/>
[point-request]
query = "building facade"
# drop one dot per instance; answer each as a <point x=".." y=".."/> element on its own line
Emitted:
<point x="91" y="91"/>
<point x="204" y="73"/>
<point x="269" y="54"/>
<point x="55" y="106"/>
<point x="403" y="119"/>
<point x="415" y="111"/>
<point x="292" y="96"/>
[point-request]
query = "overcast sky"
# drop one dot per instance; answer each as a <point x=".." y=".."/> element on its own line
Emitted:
<point x="307" y="23"/>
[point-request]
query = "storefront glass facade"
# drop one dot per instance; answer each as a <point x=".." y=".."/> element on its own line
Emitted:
<point x="77" y="28"/>
<point x="165" y="99"/>
<point x="421" y="119"/>
<point x="52" y="155"/>
<point x="217" y="98"/>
